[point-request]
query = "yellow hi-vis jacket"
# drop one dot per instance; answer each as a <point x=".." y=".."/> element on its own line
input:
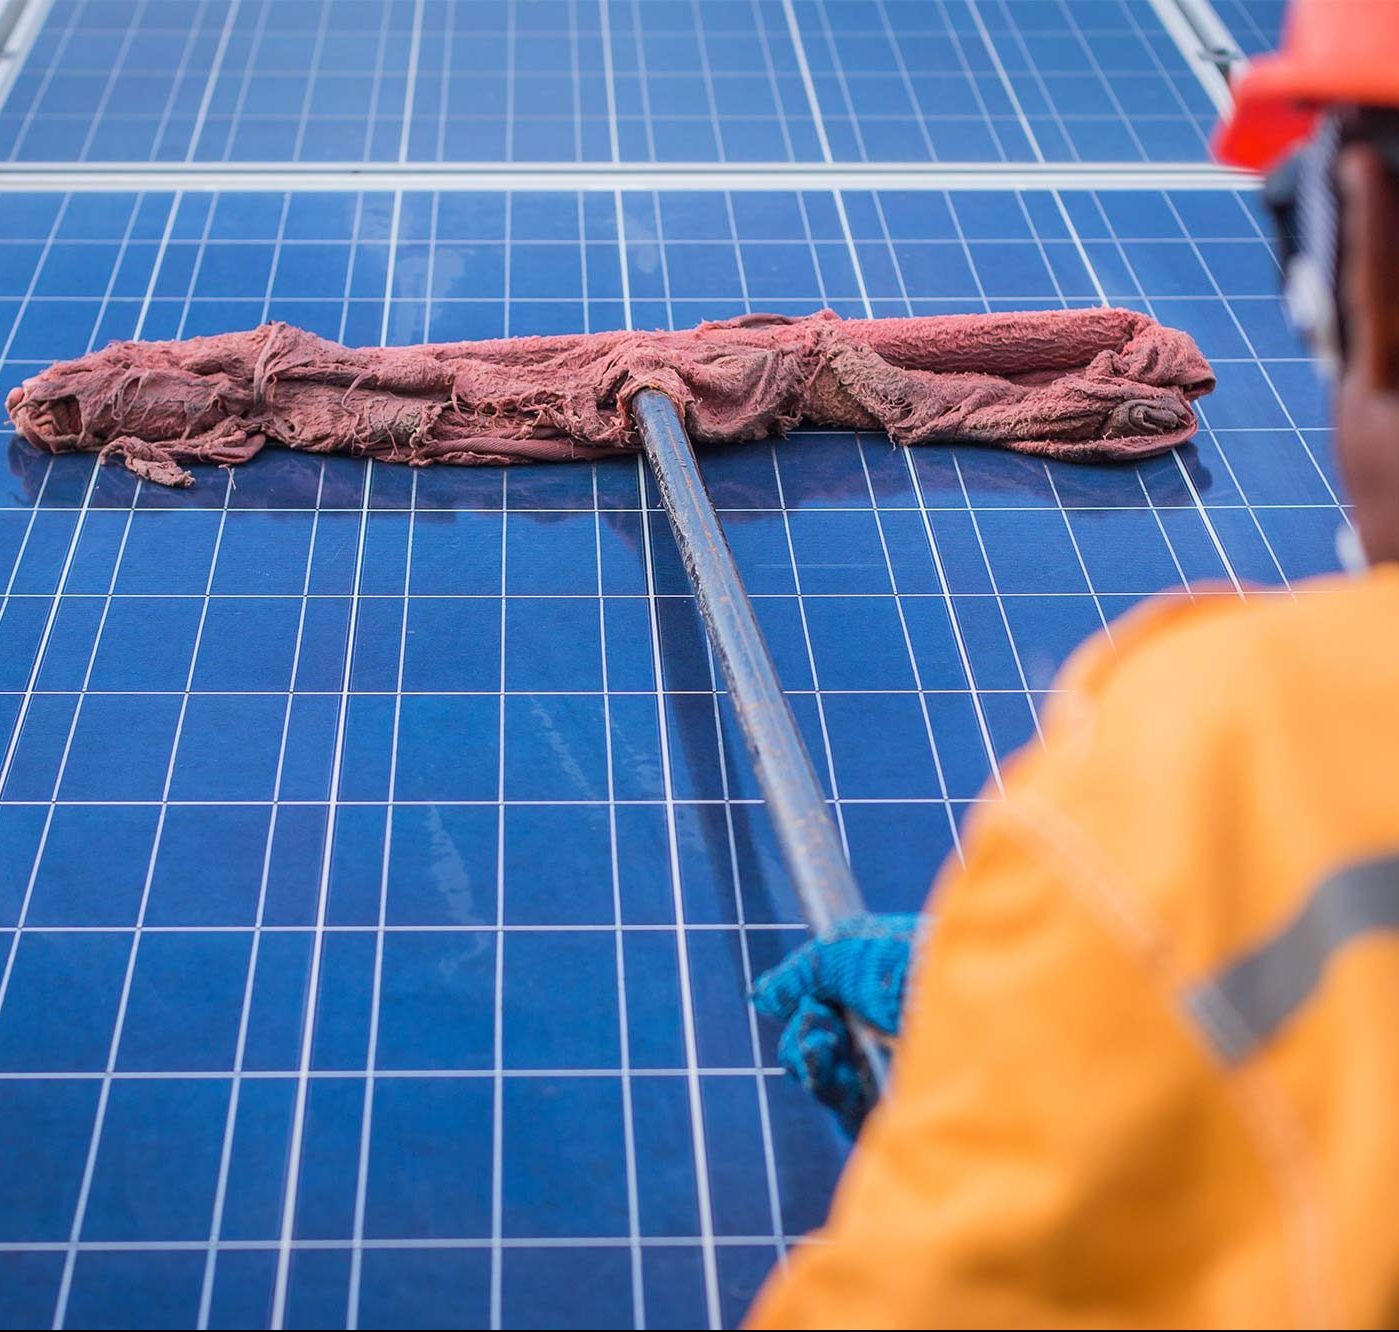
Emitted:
<point x="1149" y="1074"/>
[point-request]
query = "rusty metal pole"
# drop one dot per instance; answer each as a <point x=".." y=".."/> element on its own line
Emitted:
<point x="810" y="844"/>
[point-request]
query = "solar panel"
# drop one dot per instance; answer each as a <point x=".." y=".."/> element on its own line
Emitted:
<point x="397" y="832"/>
<point x="481" y="80"/>
<point x="381" y="870"/>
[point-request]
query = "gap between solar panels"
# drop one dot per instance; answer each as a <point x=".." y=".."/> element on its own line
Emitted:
<point x="461" y="177"/>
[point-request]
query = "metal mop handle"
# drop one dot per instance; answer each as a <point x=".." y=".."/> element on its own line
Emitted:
<point x="807" y="835"/>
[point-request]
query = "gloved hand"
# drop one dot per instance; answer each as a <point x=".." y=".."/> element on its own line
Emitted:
<point x="859" y="968"/>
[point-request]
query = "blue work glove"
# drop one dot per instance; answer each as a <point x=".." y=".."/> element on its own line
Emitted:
<point x="859" y="968"/>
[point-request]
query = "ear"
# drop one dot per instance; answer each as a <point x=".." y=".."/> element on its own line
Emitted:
<point x="1370" y="266"/>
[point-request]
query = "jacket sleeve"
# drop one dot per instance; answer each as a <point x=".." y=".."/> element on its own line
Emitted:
<point x="1039" y="1157"/>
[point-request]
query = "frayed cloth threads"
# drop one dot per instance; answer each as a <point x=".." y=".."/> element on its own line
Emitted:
<point x="1089" y="385"/>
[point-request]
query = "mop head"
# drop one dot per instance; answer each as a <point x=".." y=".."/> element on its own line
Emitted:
<point x="1088" y="384"/>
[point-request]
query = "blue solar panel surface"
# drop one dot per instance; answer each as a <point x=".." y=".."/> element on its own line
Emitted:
<point x="400" y="732"/>
<point x="381" y="871"/>
<point x="435" y="80"/>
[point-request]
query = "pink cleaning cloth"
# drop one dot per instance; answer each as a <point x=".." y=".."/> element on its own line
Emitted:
<point x="1087" y="384"/>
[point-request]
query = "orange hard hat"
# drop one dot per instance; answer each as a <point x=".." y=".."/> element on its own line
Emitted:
<point x="1333" y="52"/>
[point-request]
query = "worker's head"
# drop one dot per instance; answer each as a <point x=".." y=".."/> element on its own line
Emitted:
<point x="1323" y="117"/>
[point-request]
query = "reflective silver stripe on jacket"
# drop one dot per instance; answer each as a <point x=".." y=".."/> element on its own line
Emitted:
<point x="1248" y="1001"/>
